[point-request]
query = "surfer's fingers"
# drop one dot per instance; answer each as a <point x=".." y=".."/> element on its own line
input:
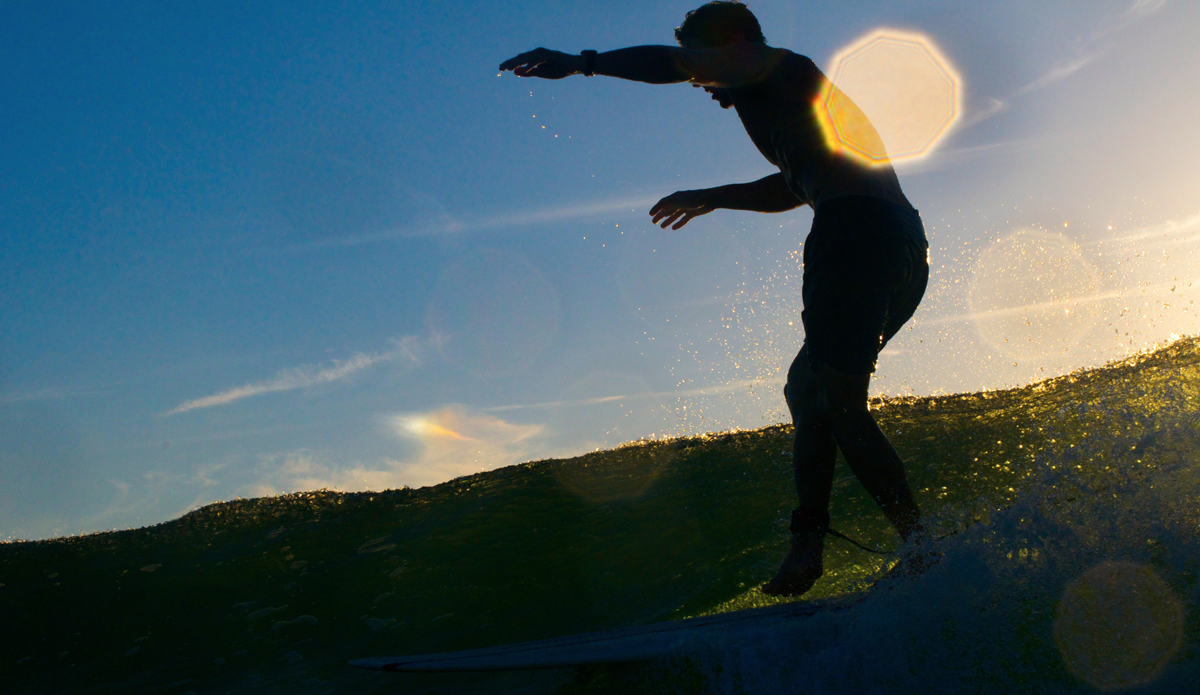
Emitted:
<point x="662" y="212"/>
<point x="673" y="202"/>
<point x="669" y="219"/>
<point x="694" y="212"/>
<point x="512" y="64"/>
<point x="530" y="70"/>
<point x="687" y="217"/>
<point x="666" y="217"/>
<point x="664" y="209"/>
<point x="537" y="55"/>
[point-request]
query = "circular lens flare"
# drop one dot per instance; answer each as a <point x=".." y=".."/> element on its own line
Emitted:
<point x="1118" y="625"/>
<point x="1031" y="295"/>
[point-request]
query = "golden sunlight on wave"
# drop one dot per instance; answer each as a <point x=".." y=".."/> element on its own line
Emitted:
<point x="899" y="83"/>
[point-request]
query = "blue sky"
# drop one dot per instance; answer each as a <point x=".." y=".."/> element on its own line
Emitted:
<point x="253" y="249"/>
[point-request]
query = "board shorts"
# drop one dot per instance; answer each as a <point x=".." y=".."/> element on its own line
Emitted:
<point x="866" y="265"/>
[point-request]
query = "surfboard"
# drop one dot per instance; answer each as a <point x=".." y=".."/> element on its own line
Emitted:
<point x="621" y="645"/>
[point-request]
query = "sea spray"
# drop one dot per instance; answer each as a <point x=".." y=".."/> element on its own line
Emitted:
<point x="998" y="613"/>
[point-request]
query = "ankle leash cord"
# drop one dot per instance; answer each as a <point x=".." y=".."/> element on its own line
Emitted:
<point x="851" y="541"/>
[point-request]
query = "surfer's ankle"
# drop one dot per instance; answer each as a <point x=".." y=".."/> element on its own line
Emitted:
<point x="802" y="566"/>
<point x="905" y="517"/>
<point x="808" y="547"/>
<point x="809" y="520"/>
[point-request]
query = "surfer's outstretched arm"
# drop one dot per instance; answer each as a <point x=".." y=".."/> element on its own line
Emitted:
<point x="717" y="67"/>
<point x="770" y="194"/>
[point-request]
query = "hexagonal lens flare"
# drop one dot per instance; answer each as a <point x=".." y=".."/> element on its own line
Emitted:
<point x="889" y="92"/>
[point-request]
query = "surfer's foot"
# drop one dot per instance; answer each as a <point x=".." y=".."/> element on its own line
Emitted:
<point x="801" y="568"/>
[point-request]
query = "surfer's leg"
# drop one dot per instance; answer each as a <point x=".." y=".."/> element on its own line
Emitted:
<point x="871" y="456"/>
<point x="814" y="449"/>
<point x="865" y="270"/>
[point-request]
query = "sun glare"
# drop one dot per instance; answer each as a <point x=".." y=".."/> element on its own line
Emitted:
<point x="426" y="427"/>
<point x="890" y="93"/>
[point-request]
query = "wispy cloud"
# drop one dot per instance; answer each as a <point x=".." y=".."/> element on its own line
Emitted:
<point x="979" y="115"/>
<point x="497" y="221"/>
<point x="1059" y="73"/>
<point x="582" y="402"/>
<point x="156" y="496"/>
<point x="1141" y="8"/>
<point x="1161" y="233"/>
<point x="1112" y="24"/>
<point x="287" y="380"/>
<point x="1053" y="305"/>
<point x="1137" y="11"/>
<point x="453" y="441"/>
<point x="1071" y="302"/>
<point x="47" y="394"/>
<point x="407" y="348"/>
<point x="1178" y="234"/>
<point x="954" y="157"/>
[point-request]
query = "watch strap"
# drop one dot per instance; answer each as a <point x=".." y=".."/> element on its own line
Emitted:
<point x="589" y="62"/>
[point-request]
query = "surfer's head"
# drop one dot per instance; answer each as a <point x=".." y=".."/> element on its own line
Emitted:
<point x="719" y="95"/>
<point x="718" y="23"/>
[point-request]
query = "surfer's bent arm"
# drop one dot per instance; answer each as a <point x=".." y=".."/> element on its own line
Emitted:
<point x="716" y="67"/>
<point x="770" y="194"/>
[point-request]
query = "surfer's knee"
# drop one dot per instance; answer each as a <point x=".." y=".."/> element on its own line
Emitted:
<point x="800" y="380"/>
<point x="791" y="395"/>
<point x="841" y="395"/>
<point x="801" y="393"/>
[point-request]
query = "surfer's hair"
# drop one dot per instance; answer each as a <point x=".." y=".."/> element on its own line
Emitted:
<point x="719" y="23"/>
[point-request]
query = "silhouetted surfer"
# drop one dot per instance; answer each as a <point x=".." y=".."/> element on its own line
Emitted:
<point x="865" y="260"/>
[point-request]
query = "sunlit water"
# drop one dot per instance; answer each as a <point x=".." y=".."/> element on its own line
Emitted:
<point x="985" y="620"/>
<point x="1084" y="579"/>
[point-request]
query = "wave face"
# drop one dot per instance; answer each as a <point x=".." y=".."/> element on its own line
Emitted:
<point x="1070" y="510"/>
<point x="1075" y="505"/>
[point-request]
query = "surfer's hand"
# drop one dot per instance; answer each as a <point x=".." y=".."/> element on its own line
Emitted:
<point x="680" y="207"/>
<point x="544" y="63"/>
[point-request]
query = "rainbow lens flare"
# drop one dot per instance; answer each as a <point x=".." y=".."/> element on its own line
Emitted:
<point x="889" y="92"/>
